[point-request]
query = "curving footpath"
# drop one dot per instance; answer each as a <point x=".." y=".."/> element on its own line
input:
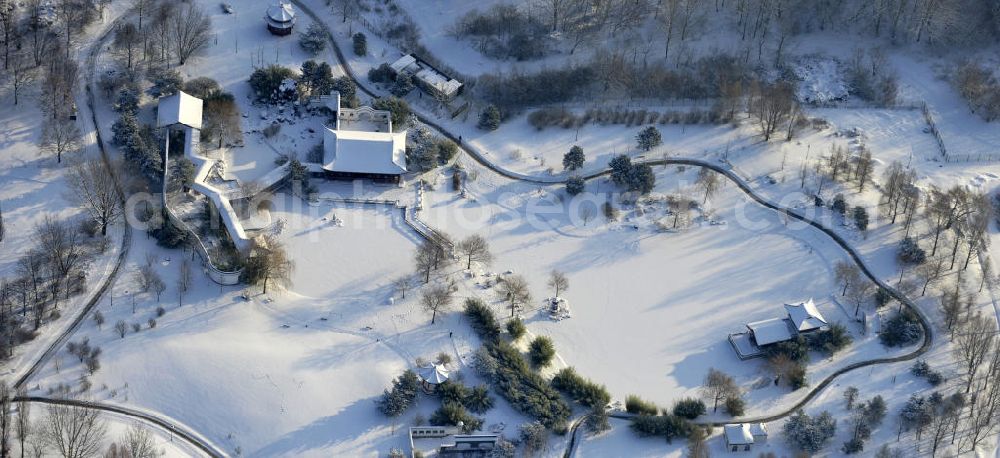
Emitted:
<point x="480" y="158"/>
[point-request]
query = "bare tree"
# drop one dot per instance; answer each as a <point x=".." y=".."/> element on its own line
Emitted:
<point x="858" y="293"/>
<point x="424" y="260"/>
<point x="60" y="135"/>
<point x="58" y="86"/>
<point x="23" y="427"/>
<point x="513" y="289"/>
<point x="558" y="281"/>
<point x="846" y="273"/>
<point x="268" y="262"/>
<point x="93" y="186"/>
<point x="20" y="72"/>
<point x="121" y="327"/>
<point x="137" y="442"/>
<point x="718" y="386"/>
<point x="402" y="284"/>
<point x="709" y="183"/>
<point x="930" y="272"/>
<point x="60" y="243"/>
<point x="770" y="105"/>
<point x="6" y="423"/>
<point x="184" y="278"/>
<point x="127" y="40"/>
<point x="191" y="29"/>
<point x="974" y="342"/>
<point x="222" y="119"/>
<point x="436" y="299"/>
<point x="475" y="248"/>
<point x="73" y="431"/>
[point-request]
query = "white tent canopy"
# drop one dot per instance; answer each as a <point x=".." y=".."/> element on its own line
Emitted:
<point x="434" y="374"/>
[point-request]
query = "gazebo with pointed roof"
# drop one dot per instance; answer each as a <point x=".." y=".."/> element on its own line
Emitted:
<point x="280" y="18"/>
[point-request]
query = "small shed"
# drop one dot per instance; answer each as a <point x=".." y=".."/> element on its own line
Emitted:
<point x="280" y="18"/>
<point x="738" y="437"/>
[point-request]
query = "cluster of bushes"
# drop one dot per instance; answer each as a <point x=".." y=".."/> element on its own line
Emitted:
<point x="482" y="320"/>
<point x="636" y="405"/>
<point x="313" y="78"/>
<point x="831" y="340"/>
<point x="451" y="414"/>
<point x="633" y="177"/>
<point x="689" y="408"/>
<point x="810" y="434"/>
<point x="425" y="151"/>
<point x="399" y="111"/>
<point x="402" y="395"/>
<point x="872" y="80"/>
<point x="505" y="32"/>
<point x="476" y="399"/>
<point x="922" y="369"/>
<point x="525" y="390"/>
<point x="866" y="417"/>
<point x="668" y="427"/>
<point x="561" y="117"/>
<point x="980" y="88"/>
<point x="580" y="389"/>
<point x="902" y="329"/>
<point x="89" y="356"/>
<point x="910" y="252"/>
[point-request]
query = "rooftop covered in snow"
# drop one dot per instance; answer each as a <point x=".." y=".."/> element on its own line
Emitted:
<point x="771" y="331"/>
<point x="352" y="151"/>
<point x="805" y="316"/>
<point x="180" y="108"/>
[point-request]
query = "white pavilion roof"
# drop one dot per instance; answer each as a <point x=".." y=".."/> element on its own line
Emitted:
<point x="434" y="374"/>
<point x="281" y="12"/>
<point x="805" y="316"/>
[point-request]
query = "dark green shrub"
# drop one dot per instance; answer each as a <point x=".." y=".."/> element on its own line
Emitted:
<point x="902" y="329"/>
<point x="516" y="328"/>
<point x="404" y="391"/>
<point x="541" y="351"/>
<point x="689" y="408"/>
<point x="581" y="390"/>
<point x="451" y="414"/>
<point x="669" y="427"/>
<point x="735" y="406"/>
<point x="636" y="405"/>
<point x="482" y="320"/>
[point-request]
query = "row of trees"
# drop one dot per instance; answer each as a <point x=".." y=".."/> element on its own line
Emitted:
<point x="163" y="30"/>
<point x="66" y="431"/>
